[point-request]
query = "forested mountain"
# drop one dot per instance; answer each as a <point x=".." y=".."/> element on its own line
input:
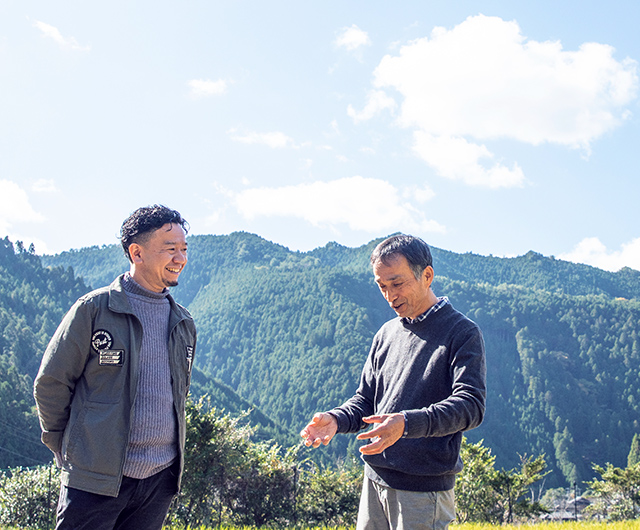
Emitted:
<point x="32" y="302"/>
<point x="289" y="332"/>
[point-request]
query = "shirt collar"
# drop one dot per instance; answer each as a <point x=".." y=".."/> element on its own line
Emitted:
<point x="442" y="301"/>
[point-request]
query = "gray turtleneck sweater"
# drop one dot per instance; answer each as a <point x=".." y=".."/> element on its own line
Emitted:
<point x="153" y="439"/>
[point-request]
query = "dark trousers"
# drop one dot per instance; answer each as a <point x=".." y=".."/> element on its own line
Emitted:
<point x="140" y="505"/>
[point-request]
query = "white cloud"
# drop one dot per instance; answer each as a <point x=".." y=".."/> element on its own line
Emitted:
<point x="213" y="219"/>
<point x="51" y="32"/>
<point x="15" y="207"/>
<point x="203" y="88"/>
<point x="420" y="195"/>
<point x="224" y="191"/>
<point x="458" y="159"/>
<point x="352" y="38"/>
<point x="593" y="252"/>
<point x="369" y="205"/>
<point x="483" y="80"/>
<point x="275" y="139"/>
<point x="44" y="186"/>
<point x="377" y="101"/>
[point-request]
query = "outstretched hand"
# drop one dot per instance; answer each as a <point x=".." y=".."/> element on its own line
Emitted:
<point x="389" y="430"/>
<point x="320" y="430"/>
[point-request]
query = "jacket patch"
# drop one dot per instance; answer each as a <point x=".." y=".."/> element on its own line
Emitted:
<point x="101" y="340"/>
<point x="189" y="356"/>
<point x="111" y="357"/>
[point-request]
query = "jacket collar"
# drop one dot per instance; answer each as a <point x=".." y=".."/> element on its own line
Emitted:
<point x="118" y="301"/>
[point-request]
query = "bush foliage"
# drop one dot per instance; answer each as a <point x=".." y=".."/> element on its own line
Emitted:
<point x="232" y="480"/>
<point x="28" y="497"/>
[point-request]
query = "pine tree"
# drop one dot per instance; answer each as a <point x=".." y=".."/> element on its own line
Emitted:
<point x="634" y="453"/>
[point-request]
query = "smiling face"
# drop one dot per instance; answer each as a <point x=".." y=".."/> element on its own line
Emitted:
<point x="408" y="297"/>
<point x="158" y="260"/>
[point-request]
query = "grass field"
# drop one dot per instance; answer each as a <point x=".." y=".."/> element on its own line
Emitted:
<point x="571" y="525"/>
<point x="580" y="525"/>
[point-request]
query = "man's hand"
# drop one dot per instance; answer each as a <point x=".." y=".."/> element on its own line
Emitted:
<point x="388" y="432"/>
<point x="320" y="430"/>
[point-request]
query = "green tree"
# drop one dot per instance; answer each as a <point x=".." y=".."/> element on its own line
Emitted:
<point x="634" y="452"/>
<point x="476" y="498"/>
<point x="262" y="489"/>
<point x="329" y="496"/>
<point x="617" y="493"/>
<point x="229" y="478"/>
<point x="484" y="494"/>
<point x="216" y="446"/>
<point x="516" y="499"/>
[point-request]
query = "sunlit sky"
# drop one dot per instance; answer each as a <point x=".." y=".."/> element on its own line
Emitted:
<point x="493" y="127"/>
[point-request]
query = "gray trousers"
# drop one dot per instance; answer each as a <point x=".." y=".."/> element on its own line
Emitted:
<point x="384" y="508"/>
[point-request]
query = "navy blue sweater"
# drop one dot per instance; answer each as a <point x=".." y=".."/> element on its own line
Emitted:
<point x="434" y="371"/>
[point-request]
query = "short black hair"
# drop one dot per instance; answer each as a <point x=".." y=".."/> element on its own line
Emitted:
<point x="414" y="249"/>
<point x="144" y="221"/>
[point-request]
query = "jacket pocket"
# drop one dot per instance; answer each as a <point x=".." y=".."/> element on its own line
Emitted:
<point x="97" y="439"/>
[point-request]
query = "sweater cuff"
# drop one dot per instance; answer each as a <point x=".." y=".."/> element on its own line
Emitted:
<point x="337" y="416"/>
<point x="345" y="424"/>
<point x="416" y="424"/>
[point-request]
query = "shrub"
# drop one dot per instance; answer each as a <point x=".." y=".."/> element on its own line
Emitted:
<point x="329" y="497"/>
<point x="28" y="496"/>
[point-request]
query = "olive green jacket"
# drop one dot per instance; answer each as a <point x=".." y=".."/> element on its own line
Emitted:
<point x="85" y="389"/>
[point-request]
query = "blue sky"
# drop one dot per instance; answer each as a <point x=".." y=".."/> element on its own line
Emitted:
<point x="492" y="127"/>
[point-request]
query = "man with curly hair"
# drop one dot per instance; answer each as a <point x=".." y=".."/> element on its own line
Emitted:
<point x="113" y="382"/>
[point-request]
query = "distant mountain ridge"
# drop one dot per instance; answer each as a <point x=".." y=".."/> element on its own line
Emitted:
<point x="289" y="332"/>
<point x="539" y="272"/>
<point x="98" y="264"/>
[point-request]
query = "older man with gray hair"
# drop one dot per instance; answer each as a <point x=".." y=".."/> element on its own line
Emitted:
<point x="422" y="386"/>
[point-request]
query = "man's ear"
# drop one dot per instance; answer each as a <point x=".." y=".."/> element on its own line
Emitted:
<point x="135" y="252"/>
<point x="428" y="275"/>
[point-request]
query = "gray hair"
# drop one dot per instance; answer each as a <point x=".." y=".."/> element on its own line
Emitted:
<point x="414" y="249"/>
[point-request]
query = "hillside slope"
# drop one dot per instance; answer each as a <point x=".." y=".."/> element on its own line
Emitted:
<point x="32" y="299"/>
<point x="289" y="331"/>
